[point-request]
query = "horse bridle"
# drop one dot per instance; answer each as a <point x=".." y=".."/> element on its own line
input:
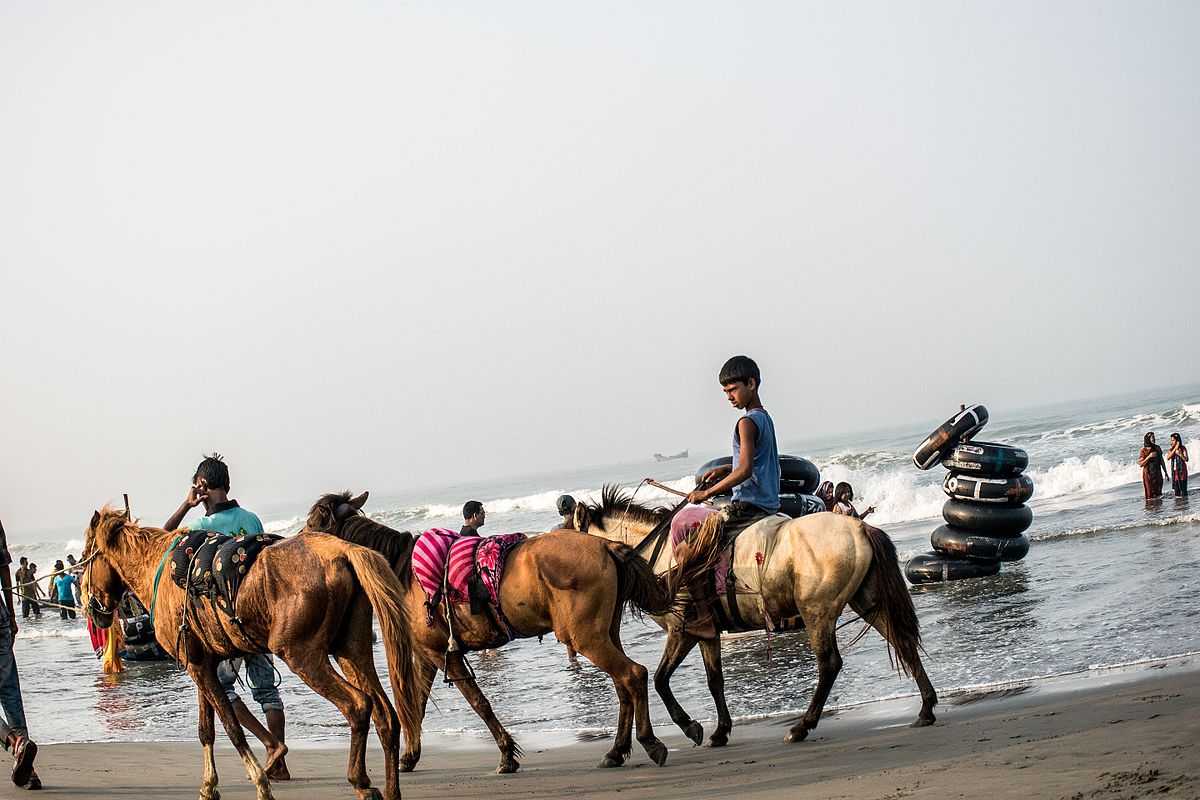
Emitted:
<point x="94" y="606"/>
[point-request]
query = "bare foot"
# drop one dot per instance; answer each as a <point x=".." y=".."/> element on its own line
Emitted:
<point x="276" y="767"/>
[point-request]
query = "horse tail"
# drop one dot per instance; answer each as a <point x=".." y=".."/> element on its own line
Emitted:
<point x="696" y="557"/>
<point x="384" y="591"/>
<point x="636" y="582"/>
<point x="884" y="596"/>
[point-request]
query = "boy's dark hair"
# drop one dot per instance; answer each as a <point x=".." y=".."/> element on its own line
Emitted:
<point x="471" y="508"/>
<point x="213" y="472"/>
<point x="739" y="369"/>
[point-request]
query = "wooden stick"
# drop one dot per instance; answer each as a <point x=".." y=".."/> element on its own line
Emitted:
<point x="127" y="514"/>
<point x="676" y="492"/>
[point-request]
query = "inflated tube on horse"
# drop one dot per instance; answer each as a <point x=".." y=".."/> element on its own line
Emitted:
<point x="796" y="475"/>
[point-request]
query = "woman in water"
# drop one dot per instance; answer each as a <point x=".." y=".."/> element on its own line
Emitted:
<point x="1153" y="467"/>
<point x="1178" y="457"/>
<point x="843" y="494"/>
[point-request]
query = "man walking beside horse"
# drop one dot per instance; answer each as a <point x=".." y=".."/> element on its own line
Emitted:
<point x="210" y="486"/>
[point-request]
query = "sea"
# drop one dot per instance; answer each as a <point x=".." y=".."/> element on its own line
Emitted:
<point x="1111" y="578"/>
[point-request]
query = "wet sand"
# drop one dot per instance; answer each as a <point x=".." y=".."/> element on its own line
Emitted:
<point x="1119" y="734"/>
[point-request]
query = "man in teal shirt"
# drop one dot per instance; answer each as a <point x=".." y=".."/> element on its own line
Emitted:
<point x="210" y="486"/>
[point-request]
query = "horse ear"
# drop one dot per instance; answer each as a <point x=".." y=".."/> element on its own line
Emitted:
<point x="360" y="501"/>
<point x="95" y="520"/>
<point x="581" y="518"/>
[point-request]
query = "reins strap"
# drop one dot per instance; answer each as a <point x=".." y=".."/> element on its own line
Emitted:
<point x="658" y="535"/>
<point x="158" y="575"/>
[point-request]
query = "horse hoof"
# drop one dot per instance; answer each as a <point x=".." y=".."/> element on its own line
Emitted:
<point x="922" y="722"/>
<point x="694" y="731"/>
<point x="795" y="735"/>
<point x="406" y="765"/>
<point x="507" y="767"/>
<point x="718" y="740"/>
<point x="658" y="752"/>
<point x="372" y="794"/>
<point x="609" y="762"/>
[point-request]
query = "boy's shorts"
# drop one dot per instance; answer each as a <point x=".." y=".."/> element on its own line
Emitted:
<point x="260" y="677"/>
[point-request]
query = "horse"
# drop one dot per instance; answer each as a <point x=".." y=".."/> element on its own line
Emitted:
<point x="303" y="598"/>
<point x="564" y="582"/>
<point x="819" y="564"/>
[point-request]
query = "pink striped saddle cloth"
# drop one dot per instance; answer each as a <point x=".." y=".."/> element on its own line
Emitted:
<point x="442" y="554"/>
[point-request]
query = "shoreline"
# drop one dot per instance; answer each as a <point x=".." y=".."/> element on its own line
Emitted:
<point x="1108" y="732"/>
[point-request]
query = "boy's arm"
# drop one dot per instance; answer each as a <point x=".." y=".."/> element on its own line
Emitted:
<point x="195" y="497"/>
<point x="747" y="433"/>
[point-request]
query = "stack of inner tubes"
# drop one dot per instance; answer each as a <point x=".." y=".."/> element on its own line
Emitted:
<point x="799" y="478"/>
<point x="986" y="516"/>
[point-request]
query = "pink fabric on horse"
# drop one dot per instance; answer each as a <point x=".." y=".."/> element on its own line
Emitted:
<point x="490" y="559"/>
<point x="429" y="558"/>
<point x="460" y="566"/>
<point x="687" y="521"/>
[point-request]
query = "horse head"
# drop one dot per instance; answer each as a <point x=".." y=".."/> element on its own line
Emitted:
<point x="102" y="585"/>
<point x="332" y="509"/>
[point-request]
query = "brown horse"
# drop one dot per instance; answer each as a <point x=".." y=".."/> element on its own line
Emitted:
<point x="303" y="598"/>
<point x="564" y="582"/>
<point x="818" y="565"/>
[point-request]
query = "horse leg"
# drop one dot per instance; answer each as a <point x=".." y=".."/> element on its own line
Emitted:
<point x="313" y="667"/>
<point x="710" y="650"/>
<point x="630" y="680"/>
<point x="208" y="789"/>
<point x="357" y="661"/>
<point x="426" y="671"/>
<point x="211" y="693"/>
<point x="678" y="645"/>
<point x="822" y="634"/>
<point x="509" y="749"/>
<point x="908" y="657"/>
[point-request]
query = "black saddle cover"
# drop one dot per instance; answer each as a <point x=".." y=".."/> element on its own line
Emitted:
<point x="213" y="565"/>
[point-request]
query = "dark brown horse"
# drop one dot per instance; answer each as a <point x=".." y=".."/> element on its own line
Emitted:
<point x="564" y="582"/>
<point x="304" y="599"/>
<point x="818" y="565"/>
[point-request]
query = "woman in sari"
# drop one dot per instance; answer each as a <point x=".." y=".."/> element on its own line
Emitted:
<point x="1154" y="468"/>
<point x="1178" y="456"/>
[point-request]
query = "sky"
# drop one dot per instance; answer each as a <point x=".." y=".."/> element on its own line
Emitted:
<point x="409" y="244"/>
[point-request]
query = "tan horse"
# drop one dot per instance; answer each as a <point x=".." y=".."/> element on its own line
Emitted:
<point x="820" y="564"/>
<point x="564" y="582"/>
<point x="303" y="598"/>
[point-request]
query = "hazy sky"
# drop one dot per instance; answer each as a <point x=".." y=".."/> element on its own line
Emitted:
<point x="394" y="244"/>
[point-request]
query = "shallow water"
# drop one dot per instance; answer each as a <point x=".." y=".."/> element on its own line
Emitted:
<point x="1110" y="578"/>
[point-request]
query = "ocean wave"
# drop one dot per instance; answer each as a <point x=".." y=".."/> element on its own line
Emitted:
<point x="1180" y="416"/>
<point x="32" y="630"/>
<point x="284" y="526"/>
<point x="1091" y="530"/>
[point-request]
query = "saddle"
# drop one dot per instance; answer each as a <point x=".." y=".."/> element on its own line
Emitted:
<point x="464" y="570"/>
<point x="212" y="565"/>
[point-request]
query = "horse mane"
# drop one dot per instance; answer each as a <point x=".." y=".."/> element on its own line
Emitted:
<point x="615" y="500"/>
<point x="396" y="546"/>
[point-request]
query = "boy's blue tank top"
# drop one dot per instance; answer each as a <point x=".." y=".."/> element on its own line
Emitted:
<point x="762" y="487"/>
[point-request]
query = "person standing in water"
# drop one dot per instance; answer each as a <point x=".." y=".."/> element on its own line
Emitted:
<point x="473" y="518"/>
<point x="1154" y="469"/>
<point x="1178" y="456"/>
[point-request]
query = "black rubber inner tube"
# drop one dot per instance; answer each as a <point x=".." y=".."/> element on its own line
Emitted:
<point x="938" y="567"/>
<point x="962" y="425"/>
<point x="796" y="475"/>
<point x="1012" y="490"/>
<point x="977" y="546"/>
<point x="986" y="458"/>
<point x="984" y="518"/>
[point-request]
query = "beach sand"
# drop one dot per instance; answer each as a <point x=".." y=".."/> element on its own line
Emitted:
<point x="1117" y="734"/>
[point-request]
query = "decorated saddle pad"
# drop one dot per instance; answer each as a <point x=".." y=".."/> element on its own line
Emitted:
<point x="760" y="536"/>
<point x="213" y="565"/>
<point x="429" y="559"/>
<point x="482" y="557"/>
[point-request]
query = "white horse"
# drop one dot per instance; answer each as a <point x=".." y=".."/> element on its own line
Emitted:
<point x="802" y="575"/>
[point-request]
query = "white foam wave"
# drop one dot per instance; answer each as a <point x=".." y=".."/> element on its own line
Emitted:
<point x="899" y="495"/>
<point x="1182" y="519"/>
<point x="283" y="525"/>
<point x="33" y="631"/>
<point x="1076" y="476"/>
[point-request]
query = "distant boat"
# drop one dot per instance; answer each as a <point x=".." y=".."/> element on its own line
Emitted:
<point x="661" y="457"/>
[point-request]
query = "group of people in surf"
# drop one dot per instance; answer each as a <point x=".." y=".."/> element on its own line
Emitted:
<point x="1155" y="469"/>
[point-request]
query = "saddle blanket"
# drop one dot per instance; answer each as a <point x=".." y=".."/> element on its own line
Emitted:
<point x="213" y="565"/>
<point x="442" y="554"/>
<point x="760" y="535"/>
